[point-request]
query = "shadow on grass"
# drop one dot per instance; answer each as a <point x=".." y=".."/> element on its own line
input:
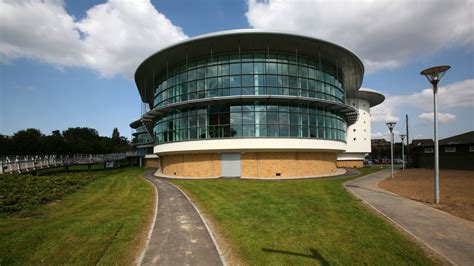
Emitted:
<point x="314" y="254"/>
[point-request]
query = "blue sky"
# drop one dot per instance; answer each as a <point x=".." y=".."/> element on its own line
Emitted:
<point x="71" y="63"/>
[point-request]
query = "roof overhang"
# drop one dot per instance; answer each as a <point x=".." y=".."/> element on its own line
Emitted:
<point x="373" y="97"/>
<point x="247" y="40"/>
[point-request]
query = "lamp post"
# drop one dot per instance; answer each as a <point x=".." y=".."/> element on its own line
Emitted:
<point x="434" y="75"/>
<point x="390" y="126"/>
<point x="402" y="136"/>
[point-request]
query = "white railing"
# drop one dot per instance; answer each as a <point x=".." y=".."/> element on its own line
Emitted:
<point x="28" y="163"/>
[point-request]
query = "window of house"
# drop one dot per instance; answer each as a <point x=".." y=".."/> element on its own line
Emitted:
<point x="471" y="148"/>
<point x="428" y="150"/>
<point x="450" y="149"/>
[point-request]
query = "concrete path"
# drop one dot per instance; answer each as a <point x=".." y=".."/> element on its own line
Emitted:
<point x="451" y="237"/>
<point x="179" y="236"/>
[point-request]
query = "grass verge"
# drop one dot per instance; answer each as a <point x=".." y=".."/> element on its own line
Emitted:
<point x="102" y="223"/>
<point x="300" y="222"/>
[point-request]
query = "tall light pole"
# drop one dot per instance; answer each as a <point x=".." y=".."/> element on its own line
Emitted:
<point x="402" y="136"/>
<point x="390" y="126"/>
<point x="434" y="75"/>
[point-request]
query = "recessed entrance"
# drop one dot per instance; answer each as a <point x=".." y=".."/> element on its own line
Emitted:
<point x="230" y="165"/>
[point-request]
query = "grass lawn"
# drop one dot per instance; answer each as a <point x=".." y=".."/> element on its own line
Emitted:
<point x="300" y="222"/>
<point x="101" y="223"/>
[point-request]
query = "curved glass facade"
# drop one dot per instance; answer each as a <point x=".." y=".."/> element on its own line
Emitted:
<point x="250" y="121"/>
<point x="250" y="74"/>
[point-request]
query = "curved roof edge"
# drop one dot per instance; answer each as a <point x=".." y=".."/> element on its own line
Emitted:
<point x="372" y="96"/>
<point x="135" y="124"/>
<point x="248" y="40"/>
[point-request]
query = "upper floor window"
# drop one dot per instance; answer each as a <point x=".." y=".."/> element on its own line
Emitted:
<point x="428" y="150"/>
<point x="450" y="149"/>
<point x="471" y="148"/>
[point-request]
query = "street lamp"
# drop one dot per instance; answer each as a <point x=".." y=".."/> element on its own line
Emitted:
<point x="434" y="75"/>
<point x="390" y="126"/>
<point x="402" y="136"/>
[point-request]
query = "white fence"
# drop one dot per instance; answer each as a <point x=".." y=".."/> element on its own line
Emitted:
<point x="28" y="163"/>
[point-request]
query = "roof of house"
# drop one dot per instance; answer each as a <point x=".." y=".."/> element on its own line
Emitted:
<point x="465" y="138"/>
<point x="422" y="142"/>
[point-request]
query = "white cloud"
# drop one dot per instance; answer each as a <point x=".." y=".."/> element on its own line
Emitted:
<point x="113" y="37"/>
<point x="385" y="134"/>
<point x="454" y="95"/>
<point x="442" y="117"/>
<point x="385" y="34"/>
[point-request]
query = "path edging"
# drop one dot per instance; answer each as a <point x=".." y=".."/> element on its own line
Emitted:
<point x="219" y="251"/>
<point x="417" y="239"/>
<point x="139" y="260"/>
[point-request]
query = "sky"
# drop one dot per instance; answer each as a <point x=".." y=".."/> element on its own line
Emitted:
<point x="71" y="63"/>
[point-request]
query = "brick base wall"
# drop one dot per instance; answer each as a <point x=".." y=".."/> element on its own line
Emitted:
<point x="350" y="164"/>
<point x="191" y="165"/>
<point x="287" y="164"/>
<point x="153" y="163"/>
<point x="253" y="164"/>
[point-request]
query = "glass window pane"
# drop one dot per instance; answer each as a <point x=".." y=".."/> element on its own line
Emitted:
<point x="271" y="80"/>
<point x="224" y="70"/>
<point x="235" y="118"/>
<point x="247" y="80"/>
<point x="248" y="130"/>
<point x="248" y="118"/>
<point x="258" y="68"/>
<point x="235" y="91"/>
<point x="294" y="131"/>
<point x="234" y="69"/>
<point x="248" y="91"/>
<point x="271" y="68"/>
<point x="273" y="130"/>
<point x="247" y="68"/>
<point x="272" y="117"/>
<point x="236" y="131"/>
<point x="292" y="70"/>
<point x="284" y="131"/>
<point x="284" y="118"/>
<point x="212" y="83"/>
<point x="211" y="71"/>
<point x="235" y="81"/>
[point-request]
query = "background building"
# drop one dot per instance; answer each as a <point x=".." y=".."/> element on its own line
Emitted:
<point x="255" y="104"/>
<point x="456" y="152"/>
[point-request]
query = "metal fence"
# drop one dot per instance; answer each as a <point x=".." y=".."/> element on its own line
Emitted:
<point x="29" y="163"/>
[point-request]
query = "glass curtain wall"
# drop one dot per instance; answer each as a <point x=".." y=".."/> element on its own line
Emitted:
<point x="250" y="121"/>
<point x="250" y="74"/>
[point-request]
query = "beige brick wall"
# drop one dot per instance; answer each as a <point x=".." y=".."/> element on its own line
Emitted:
<point x="191" y="165"/>
<point x="288" y="164"/>
<point x="154" y="163"/>
<point x="350" y="164"/>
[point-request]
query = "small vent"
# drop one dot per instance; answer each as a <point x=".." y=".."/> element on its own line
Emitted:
<point x="174" y="173"/>
<point x="278" y="174"/>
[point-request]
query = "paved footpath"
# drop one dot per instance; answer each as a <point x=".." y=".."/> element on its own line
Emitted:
<point x="179" y="236"/>
<point x="450" y="236"/>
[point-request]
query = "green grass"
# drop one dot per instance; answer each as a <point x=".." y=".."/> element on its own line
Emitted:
<point x="101" y="223"/>
<point x="25" y="192"/>
<point x="301" y="222"/>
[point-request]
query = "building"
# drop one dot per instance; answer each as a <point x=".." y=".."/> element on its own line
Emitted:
<point x="253" y="103"/>
<point x="456" y="152"/>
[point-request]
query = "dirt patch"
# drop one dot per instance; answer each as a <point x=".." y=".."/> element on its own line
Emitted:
<point x="456" y="189"/>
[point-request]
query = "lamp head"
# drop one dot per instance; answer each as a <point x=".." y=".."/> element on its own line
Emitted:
<point x="402" y="136"/>
<point x="434" y="74"/>
<point x="391" y="125"/>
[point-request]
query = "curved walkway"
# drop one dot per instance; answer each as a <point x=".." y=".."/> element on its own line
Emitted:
<point x="179" y="236"/>
<point x="449" y="236"/>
